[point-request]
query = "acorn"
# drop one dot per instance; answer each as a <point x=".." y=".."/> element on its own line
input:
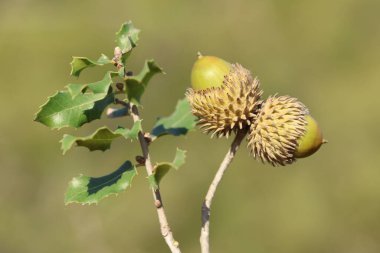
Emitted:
<point x="311" y="141"/>
<point x="283" y="131"/>
<point x="224" y="96"/>
<point x="208" y="71"/>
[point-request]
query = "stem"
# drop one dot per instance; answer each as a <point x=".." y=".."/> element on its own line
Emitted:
<point x="205" y="230"/>
<point x="164" y="225"/>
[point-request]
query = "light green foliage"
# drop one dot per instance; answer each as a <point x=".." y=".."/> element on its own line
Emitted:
<point x="90" y="190"/>
<point x="78" y="64"/>
<point x="101" y="139"/>
<point x="126" y="39"/>
<point x="100" y="87"/>
<point x="178" y="123"/>
<point x="137" y="84"/>
<point x="83" y="103"/>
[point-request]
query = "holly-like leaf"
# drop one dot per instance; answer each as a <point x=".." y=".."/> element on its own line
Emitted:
<point x="90" y="190"/>
<point x="135" y="85"/>
<point x="99" y="87"/>
<point x="127" y="37"/>
<point x="78" y="64"/>
<point x="101" y="139"/>
<point x="179" y="123"/>
<point x="61" y="110"/>
<point x="81" y="104"/>
<point x="161" y="169"/>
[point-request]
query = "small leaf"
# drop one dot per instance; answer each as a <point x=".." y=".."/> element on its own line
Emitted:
<point x="179" y="123"/>
<point x="135" y="85"/>
<point x="78" y="64"/>
<point x="127" y="37"/>
<point x="90" y="190"/>
<point x="61" y="110"/>
<point x="130" y="133"/>
<point x="98" y="87"/>
<point x="102" y="86"/>
<point x="67" y="142"/>
<point x="101" y="139"/>
<point x="161" y="169"/>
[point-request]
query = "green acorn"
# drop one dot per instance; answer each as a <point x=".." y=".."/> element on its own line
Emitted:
<point x="208" y="71"/>
<point x="311" y="141"/>
<point x="223" y="96"/>
<point x="283" y="131"/>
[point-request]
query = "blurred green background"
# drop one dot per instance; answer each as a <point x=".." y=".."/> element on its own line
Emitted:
<point x="326" y="53"/>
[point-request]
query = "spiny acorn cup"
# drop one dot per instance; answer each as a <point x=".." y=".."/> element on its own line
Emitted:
<point x="283" y="131"/>
<point x="224" y="96"/>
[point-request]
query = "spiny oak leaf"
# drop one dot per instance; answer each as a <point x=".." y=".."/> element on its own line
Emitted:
<point x="90" y="190"/>
<point x="178" y="123"/>
<point x="101" y="139"/>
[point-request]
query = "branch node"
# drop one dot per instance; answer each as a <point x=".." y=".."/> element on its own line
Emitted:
<point x="205" y="213"/>
<point x="120" y="86"/>
<point x="148" y="138"/>
<point x="140" y="160"/>
<point x="157" y="203"/>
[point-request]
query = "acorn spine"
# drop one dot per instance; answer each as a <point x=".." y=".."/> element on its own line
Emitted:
<point x="274" y="135"/>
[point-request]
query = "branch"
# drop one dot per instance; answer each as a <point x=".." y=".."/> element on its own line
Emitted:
<point x="165" y="228"/>
<point x="204" y="239"/>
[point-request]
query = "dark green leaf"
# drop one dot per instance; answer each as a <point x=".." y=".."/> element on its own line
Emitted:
<point x="179" y="123"/>
<point x="80" y="63"/>
<point x="101" y="139"/>
<point x="161" y="169"/>
<point x="90" y="190"/>
<point x="135" y="85"/>
<point x="61" y="110"/>
<point x="127" y="37"/>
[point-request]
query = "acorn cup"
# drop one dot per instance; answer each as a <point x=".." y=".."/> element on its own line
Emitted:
<point x="224" y="97"/>
<point x="283" y="131"/>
